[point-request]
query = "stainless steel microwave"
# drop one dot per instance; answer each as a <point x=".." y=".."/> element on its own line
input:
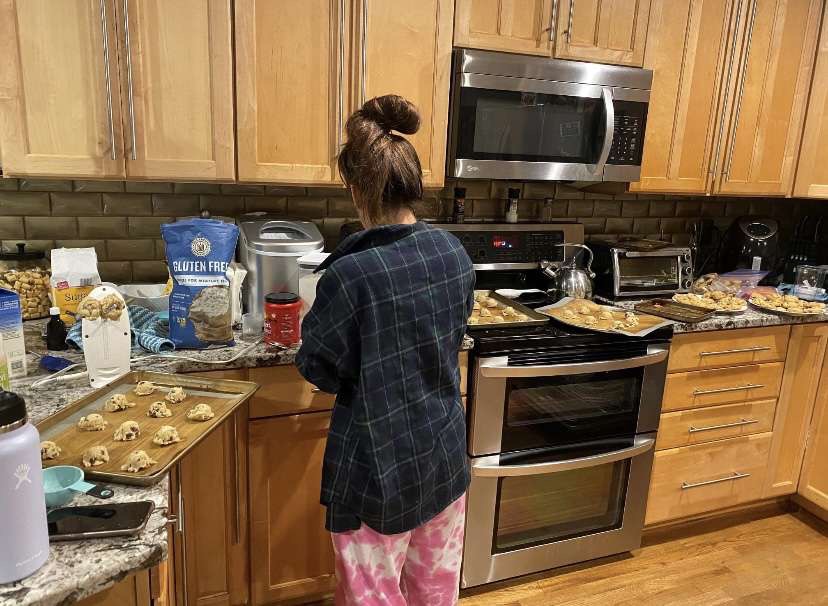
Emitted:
<point x="532" y="118"/>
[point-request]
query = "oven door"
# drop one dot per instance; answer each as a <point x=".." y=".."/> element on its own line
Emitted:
<point x="532" y="516"/>
<point x="523" y="128"/>
<point x="525" y="401"/>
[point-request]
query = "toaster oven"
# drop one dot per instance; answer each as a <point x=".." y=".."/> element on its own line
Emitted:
<point x="637" y="268"/>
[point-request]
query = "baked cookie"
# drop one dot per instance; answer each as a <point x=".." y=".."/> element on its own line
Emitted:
<point x="128" y="431"/>
<point x="112" y="306"/>
<point x="159" y="410"/>
<point x="95" y="455"/>
<point x="49" y="450"/>
<point x="200" y="412"/>
<point x="89" y="308"/>
<point x="137" y="460"/>
<point x="92" y="422"/>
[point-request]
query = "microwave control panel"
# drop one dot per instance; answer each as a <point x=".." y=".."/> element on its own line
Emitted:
<point x="512" y="246"/>
<point x="628" y="138"/>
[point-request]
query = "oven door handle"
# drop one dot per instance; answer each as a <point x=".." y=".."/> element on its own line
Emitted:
<point x="499" y="367"/>
<point x="485" y="469"/>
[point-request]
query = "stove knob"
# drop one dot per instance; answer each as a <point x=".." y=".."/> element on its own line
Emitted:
<point x="687" y="284"/>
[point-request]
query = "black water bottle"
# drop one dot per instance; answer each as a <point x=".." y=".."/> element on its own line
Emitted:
<point x="55" y="331"/>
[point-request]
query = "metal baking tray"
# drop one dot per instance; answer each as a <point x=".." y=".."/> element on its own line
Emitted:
<point x="535" y="318"/>
<point x="673" y="310"/>
<point x="223" y="395"/>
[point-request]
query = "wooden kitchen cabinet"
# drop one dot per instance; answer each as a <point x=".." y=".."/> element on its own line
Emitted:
<point x="292" y="86"/>
<point x="813" y="482"/>
<point x="59" y="94"/>
<point x="767" y="96"/>
<point x="812" y="170"/>
<point x="520" y="26"/>
<point x="406" y="50"/>
<point x="604" y="31"/>
<point x="690" y="44"/>
<point x="177" y="77"/>
<point x="291" y="554"/>
<point x="132" y="591"/>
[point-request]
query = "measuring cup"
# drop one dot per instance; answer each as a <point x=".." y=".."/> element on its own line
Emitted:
<point x="62" y="481"/>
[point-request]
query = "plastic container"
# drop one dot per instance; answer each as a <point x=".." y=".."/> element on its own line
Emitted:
<point x="281" y="320"/>
<point x="23" y="531"/>
<point x="308" y="279"/>
<point x="27" y="273"/>
<point x="811" y="282"/>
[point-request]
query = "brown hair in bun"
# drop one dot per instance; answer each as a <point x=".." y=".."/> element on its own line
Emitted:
<point x="380" y="165"/>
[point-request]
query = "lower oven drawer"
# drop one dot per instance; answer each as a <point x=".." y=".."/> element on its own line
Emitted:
<point x="714" y="423"/>
<point x="705" y="477"/>
<point x="722" y="386"/>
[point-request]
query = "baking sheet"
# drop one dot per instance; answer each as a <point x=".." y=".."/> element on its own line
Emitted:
<point x="535" y="318"/>
<point x="647" y="323"/>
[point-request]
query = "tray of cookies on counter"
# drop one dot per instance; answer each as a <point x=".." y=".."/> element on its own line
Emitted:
<point x="492" y="310"/>
<point x="134" y="429"/>
<point x="786" y="305"/>
<point x="587" y="314"/>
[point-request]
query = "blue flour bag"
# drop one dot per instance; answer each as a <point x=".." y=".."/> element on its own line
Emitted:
<point x="199" y="252"/>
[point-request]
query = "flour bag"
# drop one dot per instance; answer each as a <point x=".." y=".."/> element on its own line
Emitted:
<point x="199" y="253"/>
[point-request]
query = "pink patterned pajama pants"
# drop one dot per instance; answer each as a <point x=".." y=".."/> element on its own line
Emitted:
<point x="416" y="568"/>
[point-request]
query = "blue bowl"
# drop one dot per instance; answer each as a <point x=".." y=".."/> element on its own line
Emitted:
<point x="61" y="482"/>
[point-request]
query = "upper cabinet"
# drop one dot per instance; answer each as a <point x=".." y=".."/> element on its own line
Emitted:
<point x="812" y="172"/>
<point x="604" y="31"/>
<point x="520" y="26"/>
<point x="133" y="89"/>
<point x="690" y="45"/>
<point x="177" y="78"/>
<point x="59" y="93"/>
<point x="418" y="37"/>
<point x="766" y="97"/>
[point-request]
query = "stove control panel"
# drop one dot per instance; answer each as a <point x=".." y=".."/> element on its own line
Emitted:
<point x="512" y="246"/>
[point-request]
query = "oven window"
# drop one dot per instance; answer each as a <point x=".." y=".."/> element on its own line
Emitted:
<point x="534" y="127"/>
<point x="648" y="273"/>
<point x="544" y="411"/>
<point x="537" y="509"/>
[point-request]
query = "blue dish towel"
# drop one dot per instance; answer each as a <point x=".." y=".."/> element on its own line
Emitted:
<point x="147" y="331"/>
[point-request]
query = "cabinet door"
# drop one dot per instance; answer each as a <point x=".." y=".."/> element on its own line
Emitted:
<point x="800" y="383"/>
<point x="406" y="50"/>
<point x="605" y="31"/>
<point x="812" y="171"/>
<point x="767" y="98"/>
<point x="291" y="554"/>
<point x="132" y="591"/>
<point x="176" y="74"/>
<point x="690" y="50"/>
<point x="520" y="26"/>
<point x="813" y="483"/>
<point x="59" y="95"/>
<point x="291" y="88"/>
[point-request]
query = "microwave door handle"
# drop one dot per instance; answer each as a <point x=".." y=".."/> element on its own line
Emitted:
<point x="499" y="367"/>
<point x="487" y="467"/>
<point x="609" y="129"/>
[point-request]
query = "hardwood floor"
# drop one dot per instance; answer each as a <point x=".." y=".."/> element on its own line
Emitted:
<point x="752" y="560"/>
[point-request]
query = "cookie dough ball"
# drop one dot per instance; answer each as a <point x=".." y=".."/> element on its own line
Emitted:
<point x="166" y="435"/>
<point x="498" y="319"/>
<point x="159" y="410"/>
<point x="474" y="320"/>
<point x="618" y="325"/>
<point x="176" y="395"/>
<point x="568" y="314"/>
<point x="590" y="320"/>
<point x="200" y="412"/>
<point x="144" y="388"/>
<point x="117" y="403"/>
<point x="605" y="315"/>
<point x="89" y="308"/>
<point x="476" y="306"/>
<point x="630" y="320"/>
<point x="92" y="422"/>
<point x="137" y="460"/>
<point x="95" y="455"/>
<point x="522" y="318"/>
<point x="49" y="451"/>
<point x="112" y="306"/>
<point x="480" y="296"/>
<point x="584" y="310"/>
<point x="509" y="312"/>
<point x="491" y="302"/>
<point x="128" y="431"/>
<point x="485" y="313"/>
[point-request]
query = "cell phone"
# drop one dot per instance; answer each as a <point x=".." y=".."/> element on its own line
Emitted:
<point x="96" y="521"/>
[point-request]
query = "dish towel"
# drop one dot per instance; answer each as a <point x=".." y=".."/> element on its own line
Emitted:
<point x="147" y="331"/>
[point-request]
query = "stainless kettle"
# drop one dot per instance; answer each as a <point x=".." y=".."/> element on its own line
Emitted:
<point x="569" y="279"/>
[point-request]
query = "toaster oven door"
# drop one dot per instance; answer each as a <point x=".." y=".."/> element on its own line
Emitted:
<point x="649" y="275"/>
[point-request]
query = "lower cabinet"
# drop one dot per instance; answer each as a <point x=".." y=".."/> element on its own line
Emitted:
<point x="135" y="590"/>
<point x="813" y="483"/>
<point x="291" y="555"/>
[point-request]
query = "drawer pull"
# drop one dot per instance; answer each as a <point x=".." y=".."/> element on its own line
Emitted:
<point x="315" y="390"/>
<point x="702" y="392"/>
<point x="733" y="476"/>
<point x="724" y="352"/>
<point x="723" y="426"/>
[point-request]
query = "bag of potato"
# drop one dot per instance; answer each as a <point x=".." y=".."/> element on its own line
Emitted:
<point x="27" y="274"/>
<point x="74" y="275"/>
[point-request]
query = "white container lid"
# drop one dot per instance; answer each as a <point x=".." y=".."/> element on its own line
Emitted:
<point x="312" y="260"/>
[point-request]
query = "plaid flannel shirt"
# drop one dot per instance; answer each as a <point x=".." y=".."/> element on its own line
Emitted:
<point x="384" y="335"/>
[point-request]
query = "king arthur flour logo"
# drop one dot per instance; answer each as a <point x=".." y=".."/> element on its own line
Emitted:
<point x="200" y="246"/>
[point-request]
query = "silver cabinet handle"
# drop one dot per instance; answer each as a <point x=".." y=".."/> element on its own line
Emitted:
<point x="340" y="76"/>
<point x="723" y="425"/>
<point x="702" y="392"/>
<point x="725" y="352"/>
<point x="180" y="512"/>
<point x="108" y="79"/>
<point x="553" y="20"/>
<point x="499" y="367"/>
<point x="315" y="389"/>
<point x="237" y="481"/>
<point x="489" y="467"/>
<point x="733" y="476"/>
<point x="569" y="24"/>
<point x="609" y="128"/>
<point x="130" y="96"/>
<point x="364" y="51"/>
<point x="740" y="91"/>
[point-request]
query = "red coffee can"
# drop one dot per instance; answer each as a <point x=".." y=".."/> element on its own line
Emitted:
<point x="281" y="321"/>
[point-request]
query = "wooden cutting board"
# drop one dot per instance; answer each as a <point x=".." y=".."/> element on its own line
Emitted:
<point x="222" y="395"/>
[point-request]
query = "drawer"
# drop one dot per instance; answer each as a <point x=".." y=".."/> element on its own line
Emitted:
<point x="714" y="423"/>
<point x="282" y="390"/>
<point x="722" y="386"/>
<point x="737" y="347"/>
<point x="702" y="478"/>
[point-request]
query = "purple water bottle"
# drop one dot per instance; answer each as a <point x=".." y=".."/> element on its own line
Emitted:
<point x="23" y="531"/>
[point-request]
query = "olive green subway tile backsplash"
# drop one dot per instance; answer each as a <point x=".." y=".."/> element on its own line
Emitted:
<point x="122" y="220"/>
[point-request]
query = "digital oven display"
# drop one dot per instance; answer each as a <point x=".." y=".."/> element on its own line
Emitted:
<point x="504" y="242"/>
